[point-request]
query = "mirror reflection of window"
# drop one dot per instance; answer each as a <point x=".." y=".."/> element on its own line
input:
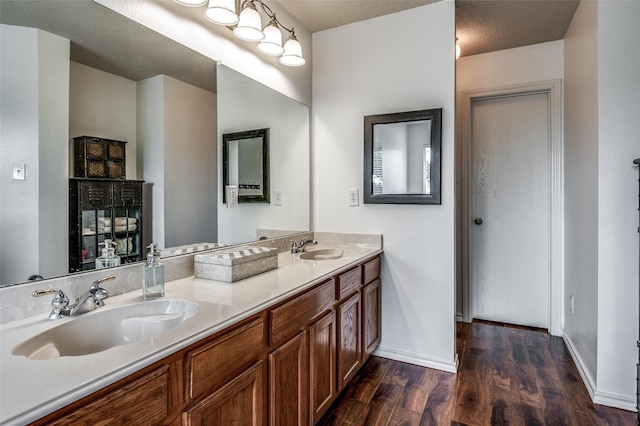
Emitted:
<point x="405" y="163"/>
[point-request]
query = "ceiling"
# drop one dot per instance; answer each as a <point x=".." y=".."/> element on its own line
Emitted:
<point x="481" y="26"/>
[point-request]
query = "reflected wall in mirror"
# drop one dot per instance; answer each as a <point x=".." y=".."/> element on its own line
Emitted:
<point x="402" y="157"/>
<point x="46" y="97"/>
<point x="246" y="165"/>
<point x="246" y="104"/>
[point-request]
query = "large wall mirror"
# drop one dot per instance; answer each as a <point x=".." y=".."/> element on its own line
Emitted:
<point x="402" y="157"/>
<point x="175" y="146"/>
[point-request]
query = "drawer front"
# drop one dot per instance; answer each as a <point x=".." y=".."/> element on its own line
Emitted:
<point x="127" y="194"/>
<point x="212" y="365"/>
<point x="95" y="195"/>
<point x="144" y="401"/>
<point x="292" y="316"/>
<point x="371" y="270"/>
<point x="348" y="283"/>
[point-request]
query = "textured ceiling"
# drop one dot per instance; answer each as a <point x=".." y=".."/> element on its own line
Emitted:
<point x="481" y="25"/>
<point x="107" y="40"/>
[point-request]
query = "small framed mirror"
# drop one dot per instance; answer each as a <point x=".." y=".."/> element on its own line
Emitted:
<point x="246" y="165"/>
<point x="402" y="157"/>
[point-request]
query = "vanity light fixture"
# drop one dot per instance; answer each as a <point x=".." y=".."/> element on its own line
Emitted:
<point x="457" y="49"/>
<point x="247" y="25"/>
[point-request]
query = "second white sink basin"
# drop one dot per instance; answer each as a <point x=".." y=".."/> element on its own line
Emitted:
<point x="323" y="254"/>
<point x="105" y="328"/>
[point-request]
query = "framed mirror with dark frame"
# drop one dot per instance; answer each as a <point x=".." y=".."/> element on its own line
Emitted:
<point x="246" y="165"/>
<point x="402" y="157"/>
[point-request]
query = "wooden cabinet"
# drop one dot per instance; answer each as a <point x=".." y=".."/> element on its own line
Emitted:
<point x="143" y="401"/>
<point x="349" y="339"/>
<point x="101" y="209"/>
<point x="322" y="365"/>
<point x="289" y="383"/>
<point x="239" y="402"/>
<point x="283" y="366"/>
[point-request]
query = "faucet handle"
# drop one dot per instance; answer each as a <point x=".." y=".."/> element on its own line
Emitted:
<point x="96" y="283"/>
<point x="59" y="302"/>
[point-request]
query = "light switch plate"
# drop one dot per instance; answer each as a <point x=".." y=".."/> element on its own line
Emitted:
<point x="19" y="170"/>
<point x="277" y="197"/>
<point x="353" y="197"/>
<point x="232" y="196"/>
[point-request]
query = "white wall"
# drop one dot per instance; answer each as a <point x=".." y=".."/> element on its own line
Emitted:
<point x="218" y="43"/>
<point x="190" y="161"/>
<point x="618" y="145"/>
<point x="177" y="145"/>
<point x="528" y="64"/>
<point x="405" y="61"/>
<point x="103" y="105"/>
<point x="244" y="104"/>
<point x="581" y="187"/>
<point x="33" y="130"/>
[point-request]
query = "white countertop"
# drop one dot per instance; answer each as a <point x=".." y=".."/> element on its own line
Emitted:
<point x="30" y="389"/>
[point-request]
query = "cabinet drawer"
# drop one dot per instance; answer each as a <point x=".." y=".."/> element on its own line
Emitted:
<point x="215" y="363"/>
<point x="127" y="194"/>
<point x="371" y="270"/>
<point x="95" y="195"/>
<point x="144" y="401"/>
<point x="292" y="316"/>
<point x="348" y="283"/>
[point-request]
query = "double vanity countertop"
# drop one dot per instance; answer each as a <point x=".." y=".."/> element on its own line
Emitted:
<point x="31" y="389"/>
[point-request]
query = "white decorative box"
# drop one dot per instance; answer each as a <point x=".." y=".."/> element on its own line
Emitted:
<point x="235" y="263"/>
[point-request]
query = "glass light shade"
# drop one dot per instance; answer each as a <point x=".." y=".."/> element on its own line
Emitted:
<point x="250" y="25"/>
<point x="221" y="12"/>
<point x="292" y="56"/>
<point x="272" y="42"/>
<point x="191" y="3"/>
<point x="457" y="50"/>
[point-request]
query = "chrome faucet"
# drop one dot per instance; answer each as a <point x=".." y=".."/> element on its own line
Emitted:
<point x="92" y="299"/>
<point x="299" y="248"/>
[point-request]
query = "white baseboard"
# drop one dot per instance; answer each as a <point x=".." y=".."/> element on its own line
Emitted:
<point x="623" y="402"/>
<point x="417" y="359"/>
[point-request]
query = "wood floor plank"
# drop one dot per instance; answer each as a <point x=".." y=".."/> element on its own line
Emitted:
<point x="507" y="376"/>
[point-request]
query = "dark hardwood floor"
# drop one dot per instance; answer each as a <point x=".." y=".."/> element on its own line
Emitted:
<point x="507" y="376"/>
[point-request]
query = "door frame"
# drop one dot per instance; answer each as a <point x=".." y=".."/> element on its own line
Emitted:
<point x="553" y="88"/>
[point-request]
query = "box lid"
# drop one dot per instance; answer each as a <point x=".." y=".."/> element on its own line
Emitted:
<point x="235" y="255"/>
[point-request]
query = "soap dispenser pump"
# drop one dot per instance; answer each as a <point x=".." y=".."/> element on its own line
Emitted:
<point x="108" y="259"/>
<point x="153" y="274"/>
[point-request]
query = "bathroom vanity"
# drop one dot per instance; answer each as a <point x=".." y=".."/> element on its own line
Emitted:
<point x="276" y="348"/>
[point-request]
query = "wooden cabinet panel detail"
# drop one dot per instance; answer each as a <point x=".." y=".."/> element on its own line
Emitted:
<point x="371" y="324"/>
<point x="349" y="340"/>
<point x="322" y="365"/>
<point x="349" y="282"/>
<point x="371" y="270"/>
<point x="239" y="402"/>
<point x="289" y="383"/>
<point x="215" y="363"/>
<point x="295" y="314"/>
<point x="143" y="401"/>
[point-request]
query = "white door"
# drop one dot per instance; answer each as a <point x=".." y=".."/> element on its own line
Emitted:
<point x="510" y="209"/>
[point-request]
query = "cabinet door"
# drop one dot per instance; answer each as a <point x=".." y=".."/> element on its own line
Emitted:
<point x="144" y="401"/>
<point x="371" y="324"/>
<point x="349" y="340"/>
<point x="322" y="365"/>
<point x="239" y="402"/>
<point x="289" y="383"/>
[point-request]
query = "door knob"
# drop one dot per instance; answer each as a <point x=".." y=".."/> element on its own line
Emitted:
<point x="477" y="221"/>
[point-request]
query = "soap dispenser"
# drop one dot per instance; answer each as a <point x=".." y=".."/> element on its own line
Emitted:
<point x="153" y="274"/>
<point x="108" y="259"/>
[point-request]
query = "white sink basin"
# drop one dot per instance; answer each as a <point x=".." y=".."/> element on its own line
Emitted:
<point x="105" y="328"/>
<point x="323" y="254"/>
